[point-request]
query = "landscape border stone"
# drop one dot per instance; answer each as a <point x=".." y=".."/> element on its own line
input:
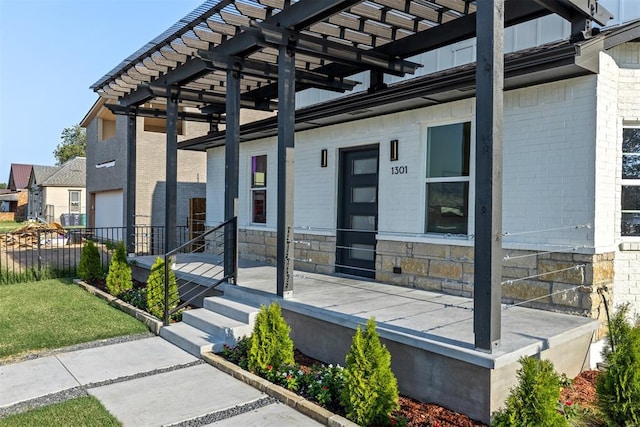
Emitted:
<point x="153" y="323"/>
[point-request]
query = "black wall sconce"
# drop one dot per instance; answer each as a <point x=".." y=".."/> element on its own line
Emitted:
<point x="323" y="158"/>
<point x="393" y="154"/>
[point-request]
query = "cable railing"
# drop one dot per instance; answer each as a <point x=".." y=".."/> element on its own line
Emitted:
<point x="448" y="270"/>
<point x="210" y="259"/>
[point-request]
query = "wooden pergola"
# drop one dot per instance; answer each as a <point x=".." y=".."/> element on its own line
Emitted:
<point x="232" y="54"/>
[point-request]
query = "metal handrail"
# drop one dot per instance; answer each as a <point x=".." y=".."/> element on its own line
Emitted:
<point x="230" y="268"/>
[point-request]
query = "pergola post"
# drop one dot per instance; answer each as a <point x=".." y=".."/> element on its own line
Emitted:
<point x="286" y="135"/>
<point x="488" y="193"/>
<point x="232" y="158"/>
<point x="131" y="183"/>
<point x="171" y="189"/>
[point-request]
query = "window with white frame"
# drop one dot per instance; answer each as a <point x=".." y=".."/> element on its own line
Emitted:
<point x="631" y="181"/>
<point x="74" y="201"/>
<point x="447" y="178"/>
<point x="259" y="189"/>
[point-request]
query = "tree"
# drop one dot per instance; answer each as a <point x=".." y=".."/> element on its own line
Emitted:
<point x="3" y="185"/>
<point x="370" y="392"/>
<point x="119" y="276"/>
<point x="74" y="143"/>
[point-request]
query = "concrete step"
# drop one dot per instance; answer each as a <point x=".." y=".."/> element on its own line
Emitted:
<point x="190" y="339"/>
<point x="248" y="296"/>
<point x="232" y="308"/>
<point x="216" y="325"/>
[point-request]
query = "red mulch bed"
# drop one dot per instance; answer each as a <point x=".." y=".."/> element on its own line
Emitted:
<point x="582" y="391"/>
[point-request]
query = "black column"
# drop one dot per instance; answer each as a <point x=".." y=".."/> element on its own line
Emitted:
<point x="286" y="135"/>
<point x="488" y="192"/>
<point x="131" y="183"/>
<point x="171" y="211"/>
<point x="232" y="158"/>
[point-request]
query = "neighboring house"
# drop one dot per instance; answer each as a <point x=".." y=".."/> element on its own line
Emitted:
<point x="13" y="206"/>
<point x="107" y="168"/>
<point x="56" y="193"/>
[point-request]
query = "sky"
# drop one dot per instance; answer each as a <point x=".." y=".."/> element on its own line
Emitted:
<point x="51" y="51"/>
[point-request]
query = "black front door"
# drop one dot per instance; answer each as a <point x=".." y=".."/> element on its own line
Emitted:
<point x="357" y="212"/>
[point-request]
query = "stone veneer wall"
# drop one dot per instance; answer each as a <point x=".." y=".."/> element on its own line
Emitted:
<point x="449" y="269"/>
<point x="314" y="253"/>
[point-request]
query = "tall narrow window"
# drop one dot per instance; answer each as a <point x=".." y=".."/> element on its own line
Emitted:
<point x="447" y="180"/>
<point x="259" y="189"/>
<point x="631" y="181"/>
<point x="74" y="201"/>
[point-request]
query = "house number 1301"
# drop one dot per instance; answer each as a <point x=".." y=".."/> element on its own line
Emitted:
<point x="399" y="170"/>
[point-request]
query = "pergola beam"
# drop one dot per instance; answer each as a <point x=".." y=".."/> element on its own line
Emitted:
<point x="573" y="10"/>
<point x="162" y="114"/>
<point x="459" y="29"/>
<point x="338" y="52"/>
<point x="263" y="69"/>
<point x="185" y="94"/>
<point x="297" y="16"/>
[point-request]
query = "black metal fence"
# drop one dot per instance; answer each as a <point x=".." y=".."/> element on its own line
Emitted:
<point x="38" y="254"/>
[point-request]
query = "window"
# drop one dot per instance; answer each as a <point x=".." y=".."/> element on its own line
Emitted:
<point x="447" y="180"/>
<point x="259" y="189"/>
<point x="74" y="201"/>
<point x="631" y="181"/>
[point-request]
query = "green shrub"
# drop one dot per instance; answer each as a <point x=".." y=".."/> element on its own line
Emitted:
<point x="370" y="392"/>
<point x="119" y="276"/>
<point x="534" y="401"/>
<point x="90" y="266"/>
<point x="155" y="289"/>
<point x="270" y="344"/>
<point x="618" y="387"/>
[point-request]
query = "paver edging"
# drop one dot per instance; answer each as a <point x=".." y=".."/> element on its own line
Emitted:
<point x="285" y="396"/>
<point x="152" y="322"/>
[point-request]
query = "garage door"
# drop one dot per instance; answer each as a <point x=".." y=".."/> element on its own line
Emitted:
<point x="109" y="213"/>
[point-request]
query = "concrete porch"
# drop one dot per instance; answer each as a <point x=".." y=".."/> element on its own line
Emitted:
<point x="429" y="335"/>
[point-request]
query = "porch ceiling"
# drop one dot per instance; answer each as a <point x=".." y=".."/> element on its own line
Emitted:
<point x="333" y="39"/>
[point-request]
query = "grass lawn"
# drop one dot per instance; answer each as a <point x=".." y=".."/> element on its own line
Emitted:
<point x="56" y="313"/>
<point x="7" y="226"/>
<point x="83" y="411"/>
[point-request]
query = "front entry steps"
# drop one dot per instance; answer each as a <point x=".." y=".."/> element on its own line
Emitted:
<point x="221" y="321"/>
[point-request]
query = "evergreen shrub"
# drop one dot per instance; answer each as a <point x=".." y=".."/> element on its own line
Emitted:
<point x="155" y="289"/>
<point x="90" y="266"/>
<point x="270" y="346"/>
<point x="119" y="277"/>
<point x="370" y="390"/>
<point x="618" y="387"/>
<point x="534" y="401"/>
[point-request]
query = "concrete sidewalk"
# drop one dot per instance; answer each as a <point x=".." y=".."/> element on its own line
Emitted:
<point x="146" y="382"/>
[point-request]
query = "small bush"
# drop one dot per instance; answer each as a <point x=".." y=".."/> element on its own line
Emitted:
<point x="90" y="266"/>
<point x="534" y="401"/>
<point x="370" y="392"/>
<point x="155" y="289"/>
<point x="119" y="276"/>
<point x="270" y="344"/>
<point x="618" y="387"/>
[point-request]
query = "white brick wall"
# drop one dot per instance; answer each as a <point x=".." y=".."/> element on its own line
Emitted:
<point x="607" y="155"/>
<point x="627" y="261"/>
<point x="548" y="156"/>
